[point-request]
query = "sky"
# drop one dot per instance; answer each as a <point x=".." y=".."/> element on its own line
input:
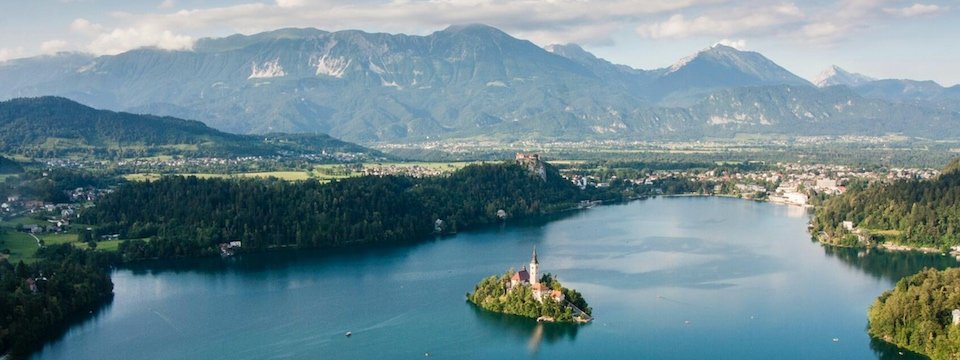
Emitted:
<point x="913" y="39"/>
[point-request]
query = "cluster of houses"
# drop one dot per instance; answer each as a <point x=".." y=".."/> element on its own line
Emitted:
<point x="58" y="215"/>
<point x="416" y="171"/>
<point x="793" y="181"/>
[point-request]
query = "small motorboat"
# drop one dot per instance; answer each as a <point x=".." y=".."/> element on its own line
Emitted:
<point x="348" y="333"/>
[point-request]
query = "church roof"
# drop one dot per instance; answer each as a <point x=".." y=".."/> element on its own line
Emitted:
<point x="534" y="260"/>
<point x="521" y="275"/>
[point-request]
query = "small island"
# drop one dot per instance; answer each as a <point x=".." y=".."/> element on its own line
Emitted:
<point x="522" y="293"/>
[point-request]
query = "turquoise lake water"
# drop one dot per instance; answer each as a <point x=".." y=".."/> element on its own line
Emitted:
<point x="668" y="278"/>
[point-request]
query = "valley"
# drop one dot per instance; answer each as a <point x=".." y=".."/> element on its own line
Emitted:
<point x="297" y="192"/>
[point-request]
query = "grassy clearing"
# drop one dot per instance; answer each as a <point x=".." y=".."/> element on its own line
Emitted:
<point x="24" y="220"/>
<point x="142" y="177"/>
<point x="52" y="239"/>
<point x="323" y="172"/>
<point x="21" y="245"/>
<point x="283" y="175"/>
<point x="105" y="245"/>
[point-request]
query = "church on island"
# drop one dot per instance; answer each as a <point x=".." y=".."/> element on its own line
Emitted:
<point x="531" y="293"/>
<point x="531" y="278"/>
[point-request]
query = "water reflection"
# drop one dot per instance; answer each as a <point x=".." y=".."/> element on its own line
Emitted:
<point x="520" y="327"/>
<point x="889" y="265"/>
<point x="77" y="322"/>
<point x="888" y="351"/>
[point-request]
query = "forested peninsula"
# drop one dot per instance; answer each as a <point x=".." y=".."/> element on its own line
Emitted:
<point x="918" y="314"/>
<point x="188" y="216"/>
<point x="915" y="213"/>
<point x="38" y="300"/>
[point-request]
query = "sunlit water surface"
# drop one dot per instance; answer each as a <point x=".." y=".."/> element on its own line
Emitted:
<point x="668" y="278"/>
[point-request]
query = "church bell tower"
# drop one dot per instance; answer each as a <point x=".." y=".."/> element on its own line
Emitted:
<point x="534" y="267"/>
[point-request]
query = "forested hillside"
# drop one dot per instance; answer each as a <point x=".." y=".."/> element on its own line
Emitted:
<point x="59" y="127"/>
<point x="917" y="314"/>
<point x="914" y="212"/>
<point x="178" y="216"/>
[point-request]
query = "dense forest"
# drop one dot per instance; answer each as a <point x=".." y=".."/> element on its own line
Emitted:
<point x="911" y="212"/>
<point x="8" y="166"/>
<point x="187" y="216"/>
<point x="38" y="300"/>
<point x="492" y="294"/>
<point x="917" y="314"/>
<point x="48" y="127"/>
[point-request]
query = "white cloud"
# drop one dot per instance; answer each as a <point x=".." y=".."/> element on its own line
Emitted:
<point x="52" y="46"/>
<point x="541" y="21"/>
<point x="123" y="39"/>
<point x="587" y="22"/>
<point x="11" y="53"/>
<point x="740" y="44"/>
<point x="915" y="10"/>
<point x="727" y="22"/>
<point x="822" y="30"/>
<point x="85" y="27"/>
<point x="290" y="3"/>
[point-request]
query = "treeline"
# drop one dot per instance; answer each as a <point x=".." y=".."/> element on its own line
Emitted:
<point x="917" y="314"/>
<point x="493" y="294"/>
<point x="38" y="300"/>
<point x="919" y="212"/>
<point x="8" y="166"/>
<point x="187" y="216"/>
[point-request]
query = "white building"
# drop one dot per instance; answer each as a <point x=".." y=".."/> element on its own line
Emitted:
<point x="796" y="198"/>
<point x="848" y="225"/>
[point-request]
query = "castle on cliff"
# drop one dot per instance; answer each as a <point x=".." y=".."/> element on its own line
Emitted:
<point x="533" y="164"/>
<point x="531" y="278"/>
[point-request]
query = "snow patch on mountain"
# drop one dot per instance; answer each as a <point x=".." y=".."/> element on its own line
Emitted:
<point x="269" y="69"/>
<point x="376" y="69"/>
<point x="683" y="62"/>
<point x="834" y="75"/>
<point x="330" y="66"/>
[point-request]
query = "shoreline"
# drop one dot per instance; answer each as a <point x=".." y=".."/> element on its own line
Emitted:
<point x="898" y="247"/>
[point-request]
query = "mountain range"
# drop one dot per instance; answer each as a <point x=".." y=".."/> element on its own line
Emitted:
<point x="475" y="81"/>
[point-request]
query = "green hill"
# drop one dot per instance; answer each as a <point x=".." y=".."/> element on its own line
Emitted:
<point x="59" y="127"/>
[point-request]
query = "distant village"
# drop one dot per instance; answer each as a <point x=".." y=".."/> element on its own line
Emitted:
<point x="787" y="183"/>
<point x="58" y="215"/>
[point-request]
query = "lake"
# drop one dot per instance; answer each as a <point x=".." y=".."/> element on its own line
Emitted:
<point x="668" y="278"/>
